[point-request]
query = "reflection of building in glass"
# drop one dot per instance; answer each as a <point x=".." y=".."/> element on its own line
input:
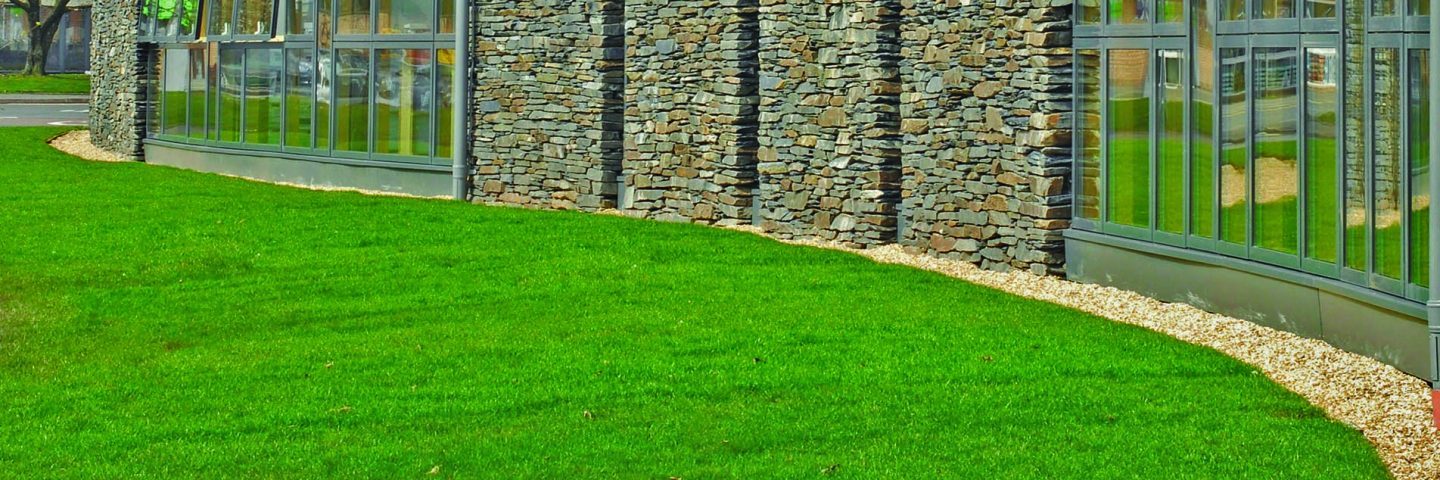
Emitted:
<point x="70" y="52"/>
<point x="1276" y="71"/>
<point x="1322" y="66"/>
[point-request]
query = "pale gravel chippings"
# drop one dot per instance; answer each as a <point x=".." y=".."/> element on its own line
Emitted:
<point x="78" y="143"/>
<point x="1392" y="409"/>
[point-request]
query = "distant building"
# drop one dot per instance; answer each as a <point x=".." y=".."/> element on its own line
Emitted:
<point x="70" y="52"/>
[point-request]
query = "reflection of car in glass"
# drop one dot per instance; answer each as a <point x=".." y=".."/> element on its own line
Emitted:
<point x="350" y="74"/>
<point x="322" y="87"/>
<point x="389" y="87"/>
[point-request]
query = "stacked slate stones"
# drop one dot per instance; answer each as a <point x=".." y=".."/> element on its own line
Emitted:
<point x="549" y="100"/>
<point x="116" y="120"/>
<point x="986" y="141"/>
<point x="692" y="110"/>
<point x="830" y="120"/>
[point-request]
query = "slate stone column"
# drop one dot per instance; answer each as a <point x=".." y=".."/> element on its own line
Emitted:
<point x="986" y="118"/>
<point x="692" y="70"/>
<point x="829" y="120"/>
<point x="548" y="96"/>
<point x="116" y="117"/>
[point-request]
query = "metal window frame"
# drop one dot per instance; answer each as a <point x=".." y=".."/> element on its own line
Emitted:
<point x="1307" y="262"/>
<point x="1181" y="45"/>
<point x="1222" y="43"/>
<point x="1258" y="252"/>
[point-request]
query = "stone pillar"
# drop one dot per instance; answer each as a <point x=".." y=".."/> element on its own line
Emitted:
<point x="692" y="68"/>
<point x="548" y="97"/>
<point x="116" y="118"/>
<point x="986" y="118"/>
<point x="829" y="120"/>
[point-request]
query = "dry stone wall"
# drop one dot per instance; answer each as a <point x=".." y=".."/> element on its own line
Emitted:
<point x="548" y="97"/>
<point x="986" y="109"/>
<point x="116" y="117"/>
<point x="692" y="104"/>
<point x="830" y="120"/>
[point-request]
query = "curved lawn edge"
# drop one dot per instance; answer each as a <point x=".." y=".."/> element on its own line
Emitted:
<point x="1391" y="408"/>
<point x="133" y="187"/>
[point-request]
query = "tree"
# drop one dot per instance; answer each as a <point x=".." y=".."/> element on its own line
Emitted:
<point x="42" y="29"/>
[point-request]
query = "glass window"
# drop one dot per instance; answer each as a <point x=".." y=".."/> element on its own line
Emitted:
<point x="166" y="14"/>
<point x="231" y="71"/>
<point x="354" y="17"/>
<point x="1276" y="165"/>
<point x="222" y="18"/>
<point x="352" y="99"/>
<point x="1089" y="13"/>
<point x="1274" y="9"/>
<point x="1202" y="131"/>
<point x="262" y="96"/>
<point x="447" y="16"/>
<point x="405" y="17"/>
<point x="1320" y="8"/>
<point x="1129" y="11"/>
<point x="256" y="17"/>
<point x="1170" y="213"/>
<point x="173" y="91"/>
<point x="301" y="16"/>
<point x="1386" y="174"/>
<point x="1234" y="177"/>
<point x="445" y="110"/>
<point x="1383" y="8"/>
<point x="154" y="64"/>
<point x="1356" y="216"/>
<point x="1420" y="167"/>
<point x="1087" y="193"/>
<point x="1232" y="9"/>
<point x="299" y="96"/>
<point x="324" y="95"/>
<point x="197" y="93"/>
<point x="324" y="16"/>
<point x="404" y="94"/>
<point x="1171" y="11"/>
<point x="189" y="13"/>
<point x="1322" y="154"/>
<point x="1127" y="177"/>
<point x="1418" y="7"/>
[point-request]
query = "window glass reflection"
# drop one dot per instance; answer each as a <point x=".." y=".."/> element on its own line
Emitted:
<point x="1129" y="11"/>
<point x="1356" y="217"/>
<point x="352" y="99"/>
<point x="1322" y="188"/>
<point x="197" y="92"/>
<point x="1088" y="125"/>
<point x="404" y="92"/>
<point x="1170" y="213"/>
<point x="1385" y="133"/>
<point x="354" y="17"/>
<point x="174" y="86"/>
<point x="1382" y="8"/>
<point x="1202" y="131"/>
<point x="222" y="17"/>
<point x="405" y="17"/>
<point x="324" y="95"/>
<point x="1276" y="83"/>
<point x="1419" y="167"/>
<point x="1089" y="12"/>
<point x="262" y="96"/>
<point x="299" y="96"/>
<point x="1127" y="179"/>
<point x="1232" y="9"/>
<point x="1234" y="177"/>
<point x="255" y="17"/>
<point x="1171" y="11"/>
<point x="1418" y="7"/>
<point x="447" y="16"/>
<point x="231" y="72"/>
<point x="445" y="110"/>
<point x="1320" y="8"/>
<point x="301" y="16"/>
<point x="1274" y="9"/>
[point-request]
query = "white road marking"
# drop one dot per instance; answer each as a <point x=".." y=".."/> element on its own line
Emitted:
<point x="67" y="123"/>
<point x="75" y="111"/>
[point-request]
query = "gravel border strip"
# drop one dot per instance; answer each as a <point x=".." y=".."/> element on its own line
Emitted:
<point x="1391" y="408"/>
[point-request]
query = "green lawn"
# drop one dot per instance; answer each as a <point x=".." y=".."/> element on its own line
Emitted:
<point x="163" y="323"/>
<point x="78" y="84"/>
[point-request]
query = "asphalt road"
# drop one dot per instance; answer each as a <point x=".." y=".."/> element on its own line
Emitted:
<point x="36" y="114"/>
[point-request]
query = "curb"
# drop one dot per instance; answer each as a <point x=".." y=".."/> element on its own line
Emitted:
<point x="43" y="100"/>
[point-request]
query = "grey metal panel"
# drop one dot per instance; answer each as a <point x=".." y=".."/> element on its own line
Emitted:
<point x="433" y="182"/>
<point x="1387" y="328"/>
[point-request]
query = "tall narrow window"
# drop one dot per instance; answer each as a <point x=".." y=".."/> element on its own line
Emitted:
<point x="1356" y="215"/>
<point x="1087" y="119"/>
<point x="403" y="96"/>
<point x="445" y="110"/>
<point x="177" y="62"/>
<point x="1274" y="9"/>
<point x="263" y="69"/>
<point x="232" y="72"/>
<point x="1170" y="162"/>
<point x="352" y="99"/>
<point x="1276" y="165"/>
<point x="1386" y="167"/>
<point x="1234" y="177"/>
<point x="1322" y="154"/>
<point x="1419" y="107"/>
<point x="1127" y="179"/>
<point x="324" y="97"/>
<point x="1202" y="130"/>
<point x="299" y="96"/>
<point x="197" y="92"/>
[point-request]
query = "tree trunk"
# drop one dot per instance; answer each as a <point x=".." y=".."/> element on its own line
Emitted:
<point x="41" y="38"/>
